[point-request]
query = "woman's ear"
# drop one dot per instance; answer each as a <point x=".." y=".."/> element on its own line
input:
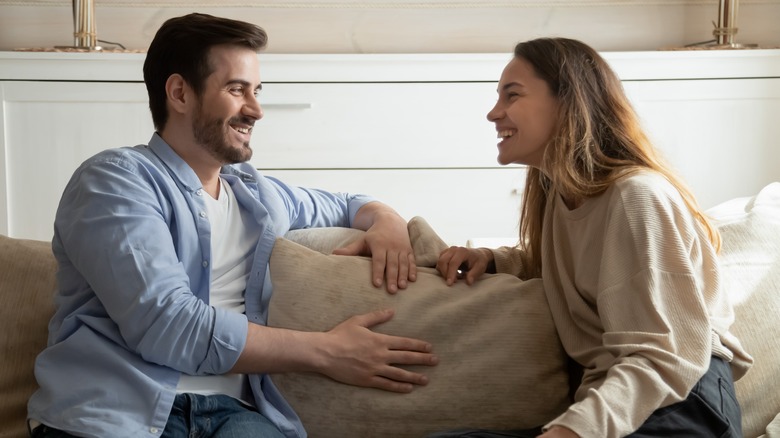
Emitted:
<point x="178" y="93"/>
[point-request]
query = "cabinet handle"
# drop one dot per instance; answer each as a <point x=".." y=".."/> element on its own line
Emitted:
<point x="272" y="105"/>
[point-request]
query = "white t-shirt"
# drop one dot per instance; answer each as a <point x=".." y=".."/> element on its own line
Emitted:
<point x="232" y="248"/>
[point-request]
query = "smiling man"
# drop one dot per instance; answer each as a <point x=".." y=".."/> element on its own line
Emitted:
<point x="163" y="278"/>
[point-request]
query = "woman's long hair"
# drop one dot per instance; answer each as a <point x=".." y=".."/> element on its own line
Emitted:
<point x="599" y="138"/>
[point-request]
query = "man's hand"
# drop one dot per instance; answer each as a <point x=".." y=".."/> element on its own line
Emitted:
<point x="358" y="356"/>
<point x="387" y="242"/>
<point x="350" y="353"/>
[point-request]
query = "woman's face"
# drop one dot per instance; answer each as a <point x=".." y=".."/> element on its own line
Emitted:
<point x="525" y="115"/>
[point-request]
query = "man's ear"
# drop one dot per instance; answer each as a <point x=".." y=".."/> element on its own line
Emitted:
<point x="178" y="92"/>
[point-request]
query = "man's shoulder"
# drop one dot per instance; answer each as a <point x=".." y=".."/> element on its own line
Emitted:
<point x="125" y="154"/>
<point x="135" y="160"/>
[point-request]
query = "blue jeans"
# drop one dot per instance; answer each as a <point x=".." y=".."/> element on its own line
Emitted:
<point x="711" y="410"/>
<point x="485" y="433"/>
<point x="199" y="416"/>
<point x="217" y="416"/>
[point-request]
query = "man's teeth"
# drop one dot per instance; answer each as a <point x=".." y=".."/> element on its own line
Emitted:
<point x="243" y="130"/>
<point x="505" y="134"/>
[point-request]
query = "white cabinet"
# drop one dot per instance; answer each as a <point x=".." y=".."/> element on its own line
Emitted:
<point x="722" y="135"/>
<point x="48" y="129"/>
<point x="409" y="129"/>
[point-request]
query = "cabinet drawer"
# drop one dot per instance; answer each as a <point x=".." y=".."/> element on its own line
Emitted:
<point x="375" y="125"/>
<point x="460" y="204"/>
<point x="719" y="134"/>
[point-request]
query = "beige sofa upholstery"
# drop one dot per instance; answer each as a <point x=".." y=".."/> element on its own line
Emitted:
<point x="751" y="272"/>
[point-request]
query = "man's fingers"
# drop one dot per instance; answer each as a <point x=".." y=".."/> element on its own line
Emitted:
<point x="404" y="376"/>
<point x="355" y="248"/>
<point x="386" y="384"/>
<point x="378" y="262"/>
<point x="371" y="319"/>
<point x="401" y="344"/>
<point x="388" y="268"/>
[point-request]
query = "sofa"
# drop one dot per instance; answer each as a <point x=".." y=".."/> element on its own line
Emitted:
<point x="501" y="364"/>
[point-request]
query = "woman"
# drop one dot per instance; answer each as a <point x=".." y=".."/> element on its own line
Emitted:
<point x="627" y="257"/>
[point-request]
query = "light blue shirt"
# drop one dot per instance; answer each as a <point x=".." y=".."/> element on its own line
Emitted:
<point x="132" y="240"/>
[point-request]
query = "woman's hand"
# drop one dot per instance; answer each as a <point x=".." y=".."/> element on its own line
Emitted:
<point x="459" y="262"/>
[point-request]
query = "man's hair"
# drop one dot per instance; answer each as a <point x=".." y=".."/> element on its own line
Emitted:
<point x="182" y="45"/>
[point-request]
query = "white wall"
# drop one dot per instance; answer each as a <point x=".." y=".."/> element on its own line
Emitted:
<point x="405" y="26"/>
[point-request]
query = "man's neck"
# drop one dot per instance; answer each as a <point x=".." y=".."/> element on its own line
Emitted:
<point x="202" y="163"/>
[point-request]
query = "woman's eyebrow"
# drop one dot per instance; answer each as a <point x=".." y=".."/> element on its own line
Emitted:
<point x="509" y="85"/>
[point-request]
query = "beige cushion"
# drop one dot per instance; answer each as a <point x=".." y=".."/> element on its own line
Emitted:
<point x="773" y="429"/>
<point x="750" y="259"/>
<point x="501" y="364"/>
<point x="26" y="289"/>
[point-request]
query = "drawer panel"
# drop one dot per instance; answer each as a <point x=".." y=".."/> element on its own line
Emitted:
<point x="375" y="125"/>
<point x="460" y="204"/>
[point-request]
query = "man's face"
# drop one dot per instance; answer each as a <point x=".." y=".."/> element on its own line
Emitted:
<point x="228" y="106"/>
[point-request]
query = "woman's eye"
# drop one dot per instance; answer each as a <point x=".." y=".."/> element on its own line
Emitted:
<point x="509" y="97"/>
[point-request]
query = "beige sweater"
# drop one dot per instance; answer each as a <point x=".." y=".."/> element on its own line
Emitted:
<point x="633" y="286"/>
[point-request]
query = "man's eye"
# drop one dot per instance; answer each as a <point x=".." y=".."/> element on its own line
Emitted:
<point x="237" y="91"/>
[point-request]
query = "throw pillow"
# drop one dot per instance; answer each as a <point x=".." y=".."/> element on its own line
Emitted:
<point x="501" y="363"/>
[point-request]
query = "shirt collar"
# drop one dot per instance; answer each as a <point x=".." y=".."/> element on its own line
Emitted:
<point x="179" y="168"/>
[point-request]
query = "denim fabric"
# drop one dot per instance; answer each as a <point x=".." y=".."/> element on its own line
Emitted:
<point x="483" y="433"/>
<point x="201" y="416"/>
<point x="711" y="410"/>
<point x="43" y="431"/>
<point x="217" y="416"/>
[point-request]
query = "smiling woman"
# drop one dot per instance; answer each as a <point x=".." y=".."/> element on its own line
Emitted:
<point x="525" y="114"/>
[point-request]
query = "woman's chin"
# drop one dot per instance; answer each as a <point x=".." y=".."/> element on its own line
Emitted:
<point x="503" y="161"/>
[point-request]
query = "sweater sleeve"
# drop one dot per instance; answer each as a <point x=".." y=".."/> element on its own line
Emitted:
<point x="511" y="260"/>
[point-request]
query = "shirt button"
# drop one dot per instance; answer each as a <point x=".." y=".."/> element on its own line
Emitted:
<point x="199" y="192"/>
<point x="202" y="214"/>
<point x="153" y="430"/>
<point x="205" y="263"/>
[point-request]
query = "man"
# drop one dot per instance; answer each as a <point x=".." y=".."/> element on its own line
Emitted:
<point x="163" y="279"/>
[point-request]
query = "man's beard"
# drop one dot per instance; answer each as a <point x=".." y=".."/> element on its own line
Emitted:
<point x="212" y="136"/>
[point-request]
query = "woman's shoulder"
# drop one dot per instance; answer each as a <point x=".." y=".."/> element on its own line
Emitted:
<point x="646" y="186"/>
<point x="648" y="196"/>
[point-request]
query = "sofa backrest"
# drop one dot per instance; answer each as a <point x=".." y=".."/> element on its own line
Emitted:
<point x="750" y="268"/>
<point x="27" y="283"/>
